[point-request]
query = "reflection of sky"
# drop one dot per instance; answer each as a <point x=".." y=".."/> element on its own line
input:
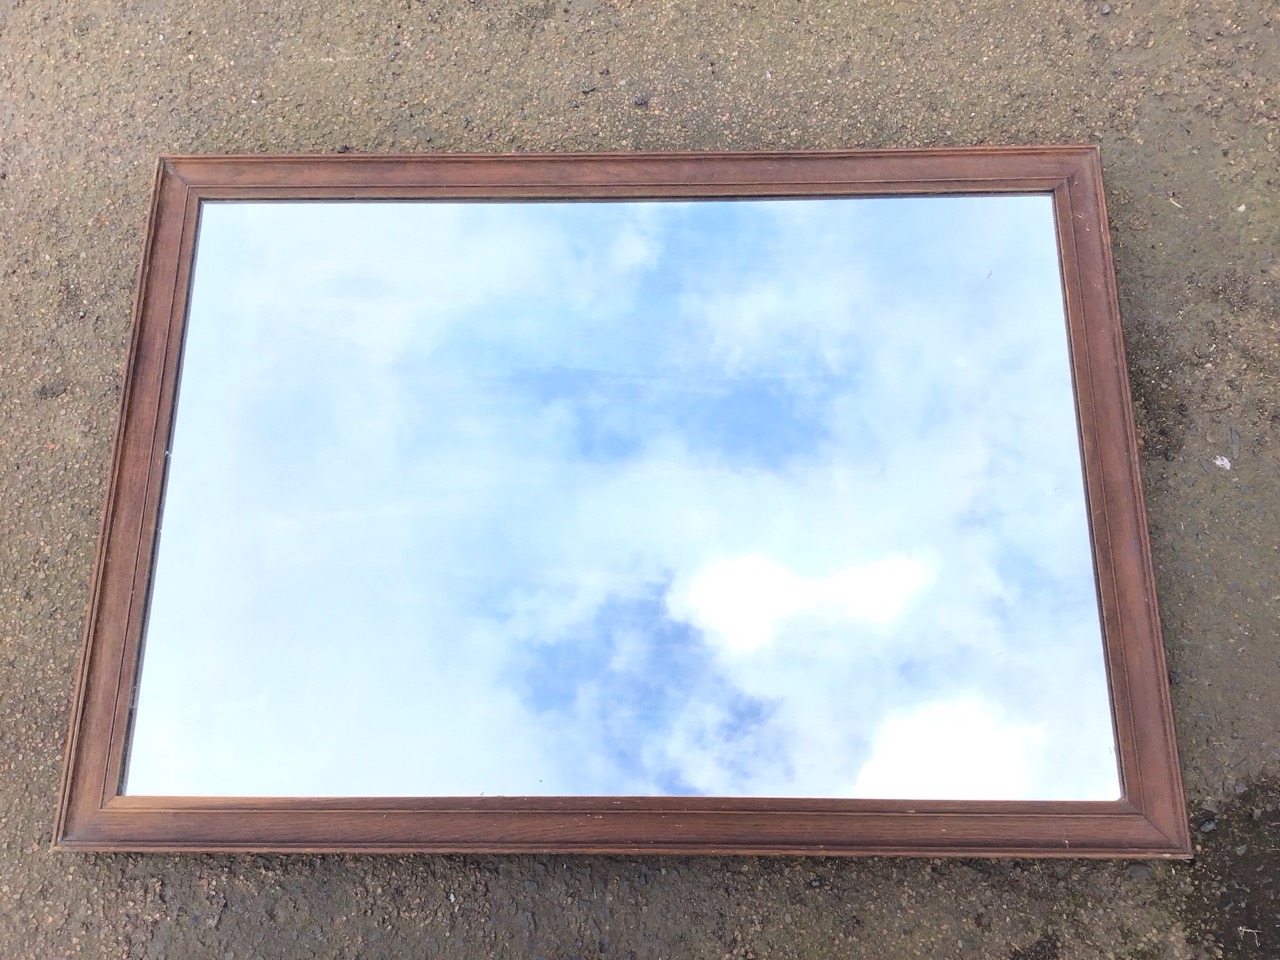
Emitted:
<point x="773" y="498"/>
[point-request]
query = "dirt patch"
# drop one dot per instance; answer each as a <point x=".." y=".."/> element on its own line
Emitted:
<point x="1231" y="893"/>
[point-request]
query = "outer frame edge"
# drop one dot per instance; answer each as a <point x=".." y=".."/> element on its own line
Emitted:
<point x="98" y="830"/>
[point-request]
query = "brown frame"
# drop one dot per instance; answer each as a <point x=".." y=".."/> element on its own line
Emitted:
<point x="1150" y="820"/>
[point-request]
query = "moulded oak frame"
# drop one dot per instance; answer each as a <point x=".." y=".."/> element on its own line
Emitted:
<point x="1150" y="820"/>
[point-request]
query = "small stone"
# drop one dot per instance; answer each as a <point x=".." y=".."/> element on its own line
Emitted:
<point x="1106" y="9"/>
<point x="1209" y="826"/>
<point x="641" y="101"/>
<point x="1140" y="871"/>
<point x="1242" y="850"/>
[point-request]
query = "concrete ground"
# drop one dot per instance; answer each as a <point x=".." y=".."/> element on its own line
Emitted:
<point x="1184" y="99"/>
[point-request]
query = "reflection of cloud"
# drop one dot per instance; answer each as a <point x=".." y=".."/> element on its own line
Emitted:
<point x="954" y="750"/>
<point x="547" y="498"/>
<point x="739" y="601"/>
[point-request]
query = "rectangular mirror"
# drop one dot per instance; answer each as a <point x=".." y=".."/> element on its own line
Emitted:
<point x="680" y="503"/>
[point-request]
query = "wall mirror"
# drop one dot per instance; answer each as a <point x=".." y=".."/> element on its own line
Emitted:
<point x="675" y="503"/>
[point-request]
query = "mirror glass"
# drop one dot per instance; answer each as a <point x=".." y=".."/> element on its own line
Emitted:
<point x="750" y="498"/>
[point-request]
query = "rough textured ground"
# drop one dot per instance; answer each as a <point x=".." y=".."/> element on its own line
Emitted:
<point x="1182" y="96"/>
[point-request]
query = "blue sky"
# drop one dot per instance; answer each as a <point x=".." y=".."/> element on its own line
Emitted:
<point x="773" y="498"/>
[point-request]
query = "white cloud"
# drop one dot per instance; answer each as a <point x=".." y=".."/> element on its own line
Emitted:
<point x="739" y="601"/>
<point x="954" y="750"/>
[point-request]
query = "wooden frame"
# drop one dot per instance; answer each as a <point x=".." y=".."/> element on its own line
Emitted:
<point x="1149" y="821"/>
